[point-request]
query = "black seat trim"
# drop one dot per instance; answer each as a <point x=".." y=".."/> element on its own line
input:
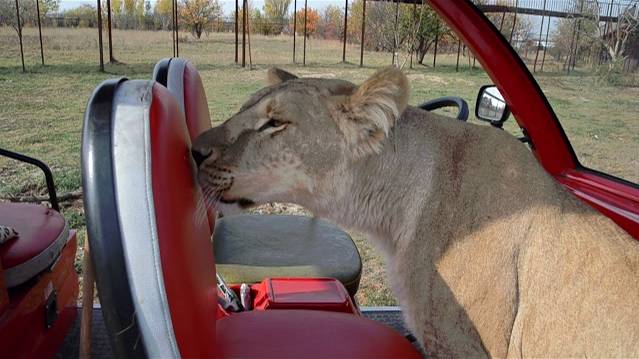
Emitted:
<point x="103" y="225"/>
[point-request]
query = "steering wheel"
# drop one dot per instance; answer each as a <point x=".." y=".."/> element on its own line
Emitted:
<point x="448" y="101"/>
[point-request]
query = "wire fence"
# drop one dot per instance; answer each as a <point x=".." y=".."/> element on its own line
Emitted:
<point x="535" y="28"/>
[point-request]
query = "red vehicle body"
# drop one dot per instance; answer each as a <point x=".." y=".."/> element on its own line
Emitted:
<point x="613" y="197"/>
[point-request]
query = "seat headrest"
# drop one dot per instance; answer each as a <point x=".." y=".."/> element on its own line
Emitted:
<point x="183" y="80"/>
<point x="161" y="216"/>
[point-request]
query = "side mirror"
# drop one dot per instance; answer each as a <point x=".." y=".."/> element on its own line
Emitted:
<point x="491" y="106"/>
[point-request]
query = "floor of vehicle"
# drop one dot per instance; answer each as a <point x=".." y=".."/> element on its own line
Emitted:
<point x="100" y="349"/>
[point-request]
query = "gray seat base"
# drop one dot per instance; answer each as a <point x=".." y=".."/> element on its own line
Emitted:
<point x="249" y="248"/>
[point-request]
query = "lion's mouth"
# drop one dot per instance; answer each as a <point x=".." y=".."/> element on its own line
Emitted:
<point x="242" y="202"/>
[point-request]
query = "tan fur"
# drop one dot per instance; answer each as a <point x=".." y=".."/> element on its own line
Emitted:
<point x="487" y="254"/>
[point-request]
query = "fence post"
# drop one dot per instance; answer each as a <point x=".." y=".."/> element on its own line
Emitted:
<point x="436" y="43"/>
<point x="574" y="58"/>
<point x="100" y="44"/>
<point x="458" y="51"/>
<point x="40" y="31"/>
<point x="294" y="27"/>
<point x="237" y="10"/>
<point x="345" y="29"/>
<point x="361" y="51"/>
<point x="111" y="59"/>
<point x="395" y="32"/>
<point x="541" y="31"/>
<point x="244" y="3"/>
<point x="177" y="30"/>
<point x="305" y="14"/>
<point x="543" y="59"/>
<point x="512" y="31"/>
<point x="20" y="35"/>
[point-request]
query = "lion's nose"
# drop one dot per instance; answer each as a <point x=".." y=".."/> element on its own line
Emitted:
<point x="200" y="155"/>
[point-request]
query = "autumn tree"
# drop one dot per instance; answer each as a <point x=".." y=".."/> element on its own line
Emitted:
<point x="163" y="13"/>
<point x="312" y="19"/>
<point x="198" y="15"/>
<point x="28" y="14"/>
<point x="331" y="23"/>
<point x="275" y="13"/>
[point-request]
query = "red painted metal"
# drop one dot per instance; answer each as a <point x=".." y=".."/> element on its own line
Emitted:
<point x="308" y="334"/>
<point x="614" y="198"/>
<point x="23" y="333"/>
<point x="326" y="294"/>
<point x="4" y="295"/>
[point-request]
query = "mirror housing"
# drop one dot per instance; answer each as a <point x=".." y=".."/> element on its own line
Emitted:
<point x="491" y="106"/>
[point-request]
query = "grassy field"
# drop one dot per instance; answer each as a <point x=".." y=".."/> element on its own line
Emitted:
<point x="41" y="111"/>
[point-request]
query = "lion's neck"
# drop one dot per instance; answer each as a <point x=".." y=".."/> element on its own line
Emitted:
<point x="375" y="196"/>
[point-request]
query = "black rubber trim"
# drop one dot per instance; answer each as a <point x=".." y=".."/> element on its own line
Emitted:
<point x="161" y="71"/>
<point x="448" y="101"/>
<point x="103" y="227"/>
<point x="48" y="176"/>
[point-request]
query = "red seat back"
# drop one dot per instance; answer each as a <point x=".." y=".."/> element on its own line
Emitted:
<point x="146" y="175"/>
<point x="183" y="81"/>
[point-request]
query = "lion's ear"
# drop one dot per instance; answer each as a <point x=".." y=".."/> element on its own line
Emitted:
<point x="374" y="108"/>
<point x="276" y="76"/>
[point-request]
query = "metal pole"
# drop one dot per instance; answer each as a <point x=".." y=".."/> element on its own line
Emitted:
<point x="412" y="46"/>
<point x="177" y="31"/>
<point x="606" y="31"/>
<point x="395" y="32"/>
<point x="436" y="43"/>
<point x="294" y="27"/>
<point x="345" y="29"/>
<point x="512" y="31"/>
<point x="305" y="14"/>
<point x="501" y="24"/>
<point x="361" y="51"/>
<point x="173" y="25"/>
<point x="237" y="9"/>
<point x="111" y="59"/>
<point x="24" y="69"/>
<point x="568" y="62"/>
<point x="244" y="33"/>
<point x="541" y="31"/>
<point x="458" y="51"/>
<point x="100" y="44"/>
<point x="574" y="58"/>
<point x="543" y="59"/>
<point x="40" y="31"/>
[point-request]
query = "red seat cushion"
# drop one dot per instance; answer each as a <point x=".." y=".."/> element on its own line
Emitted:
<point x="42" y="233"/>
<point x="307" y="334"/>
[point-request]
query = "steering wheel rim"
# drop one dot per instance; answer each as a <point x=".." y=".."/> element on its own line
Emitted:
<point x="448" y="101"/>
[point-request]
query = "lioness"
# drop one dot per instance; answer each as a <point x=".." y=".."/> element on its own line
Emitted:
<point x="487" y="254"/>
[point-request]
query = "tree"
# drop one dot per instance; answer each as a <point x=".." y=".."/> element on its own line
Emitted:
<point x="331" y="23"/>
<point x="616" y="42"/>
<point x="275" y="12"/>
<point x="197" y="15"/>
<point x="163" y="12"/>
<point x="312" y="19"/>
<point x="28" y="15"/>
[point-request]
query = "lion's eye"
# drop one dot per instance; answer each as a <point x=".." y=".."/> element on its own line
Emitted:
<point x="272" y="124"/>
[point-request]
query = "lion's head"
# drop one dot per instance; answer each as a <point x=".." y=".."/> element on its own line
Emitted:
<point x="290" y="135"/>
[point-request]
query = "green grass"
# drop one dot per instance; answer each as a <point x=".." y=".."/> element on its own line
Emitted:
<point x="41" y="111"/>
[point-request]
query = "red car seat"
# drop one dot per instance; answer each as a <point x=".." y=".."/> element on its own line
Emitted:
<point x="251" y="247"/>
<point x="153" y="256"/>
<point x="42" y="234"/>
